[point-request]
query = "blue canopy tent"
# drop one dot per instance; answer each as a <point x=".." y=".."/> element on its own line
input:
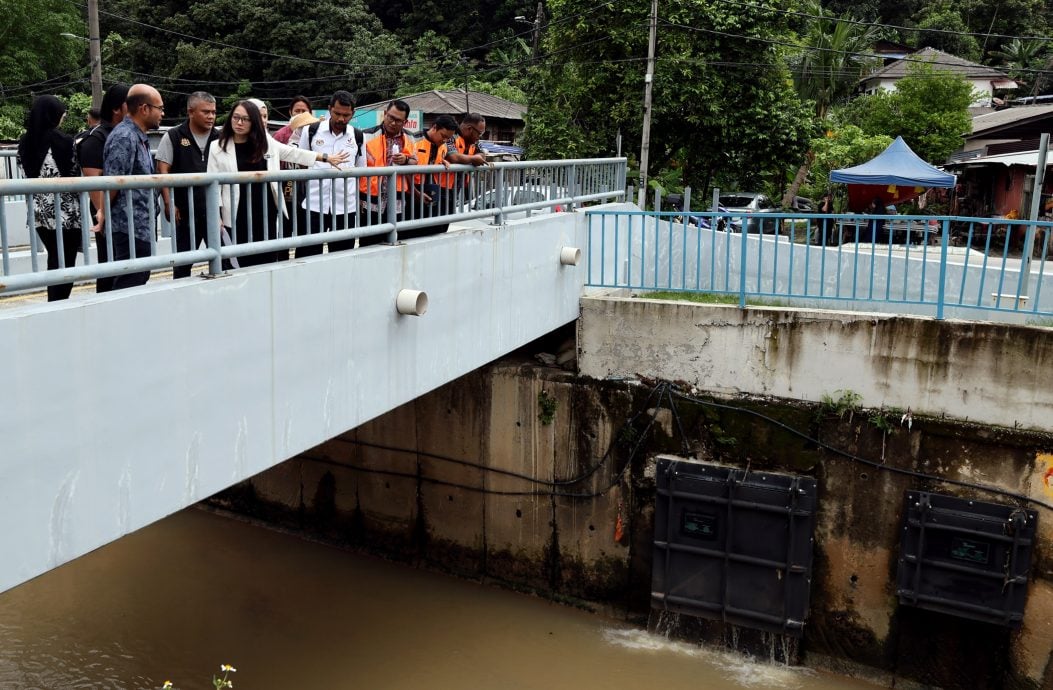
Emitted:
<point x="894" y="175"/>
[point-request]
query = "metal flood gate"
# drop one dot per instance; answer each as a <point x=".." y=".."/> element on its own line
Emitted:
<point x="966" y="558"/>
<point x="733" y="545"/>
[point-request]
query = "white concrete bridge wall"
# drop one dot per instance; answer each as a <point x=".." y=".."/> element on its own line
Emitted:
<point x="126" y="407"/>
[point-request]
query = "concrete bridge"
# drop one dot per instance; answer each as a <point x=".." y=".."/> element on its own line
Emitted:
<point x="125" y="407"/>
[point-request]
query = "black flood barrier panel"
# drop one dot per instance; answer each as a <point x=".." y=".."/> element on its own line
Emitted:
<point x="733" y="545"/>
<point x="965" y="558"/>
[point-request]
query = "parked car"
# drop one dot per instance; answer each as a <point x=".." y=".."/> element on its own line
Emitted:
<point x="802" y="204"/>
<point x="751" y="203"/>
<point x="520" y="195"/>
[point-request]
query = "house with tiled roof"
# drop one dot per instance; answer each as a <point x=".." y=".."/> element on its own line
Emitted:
<point x="505" y="119"/>
<point x="985" y="80"/>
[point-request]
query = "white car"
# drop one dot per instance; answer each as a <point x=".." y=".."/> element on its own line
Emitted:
<point x="520" y="196"/>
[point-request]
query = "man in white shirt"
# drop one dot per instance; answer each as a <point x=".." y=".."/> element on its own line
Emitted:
<point x="332" y="204"/>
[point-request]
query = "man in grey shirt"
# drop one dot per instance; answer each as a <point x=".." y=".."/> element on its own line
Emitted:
<point x="184" y="149"/>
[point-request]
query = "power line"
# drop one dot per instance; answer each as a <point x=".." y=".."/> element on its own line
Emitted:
<point x="896" y="27"/>
<point x="333" y="62"/>
<point x="771" y="41"/>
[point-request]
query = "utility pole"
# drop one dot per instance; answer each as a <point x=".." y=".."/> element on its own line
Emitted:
<point x="645" y="139"/>
<point x="537" y="30"/>
<point x="95" y="55"/>
<point x="1036" y="205"/>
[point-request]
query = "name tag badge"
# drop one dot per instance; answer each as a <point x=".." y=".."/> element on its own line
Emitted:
<point x="319" y="142"/>
<point x="184" y="142"/>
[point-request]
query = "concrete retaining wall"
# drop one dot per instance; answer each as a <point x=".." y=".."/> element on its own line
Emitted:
<point x="990" y="373"/>
<point x="435" y="492"/>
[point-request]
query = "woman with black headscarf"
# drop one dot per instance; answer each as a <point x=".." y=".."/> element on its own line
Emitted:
<point x="44" y="151"/>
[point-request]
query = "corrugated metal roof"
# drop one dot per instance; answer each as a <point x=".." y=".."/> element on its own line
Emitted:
<point x="940" y="60"/>
<point x="1028" y="158"/>
<point x="1001" y="118"/>
<point x="453" y="103"/>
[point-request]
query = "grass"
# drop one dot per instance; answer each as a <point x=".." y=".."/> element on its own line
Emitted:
<point x="711" y="298"/>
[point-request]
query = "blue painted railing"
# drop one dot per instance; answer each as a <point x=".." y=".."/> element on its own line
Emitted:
<point x="941" y="266"/>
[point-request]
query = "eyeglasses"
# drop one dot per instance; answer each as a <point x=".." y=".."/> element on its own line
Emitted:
<point x="394" y="120"/>
<point x="480" y="132"/>
<point x="240" y="118"/>
<point x="151" y="105"/>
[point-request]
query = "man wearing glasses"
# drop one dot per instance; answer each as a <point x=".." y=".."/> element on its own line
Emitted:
<point x="390" y="147"/>
<point x="127" y="152"/>
<point x="462" y="149"/>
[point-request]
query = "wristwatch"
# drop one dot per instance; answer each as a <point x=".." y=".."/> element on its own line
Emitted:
<point x="325" y="157"/>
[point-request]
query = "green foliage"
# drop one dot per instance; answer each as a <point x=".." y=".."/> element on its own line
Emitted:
<point x="432" y="61"/>
<point x="322" y="45"/>
<point x="1022" y="58"/>
<point x="835" y="52"/>
<point x="32" y="48"/>
<point x="435" y="64"/>
<point x="77" y="106"/>
<point x="952" y="36"/>
<point x="546" y="405"/>
<point x="12" y="117"/>
<point x="886" y="419"/>
<point x="723" y="108"/>
<point x="845" y="404"/>
<point x="243" y="90"/>
<point x="842" y="147"/>
<point x="929" y="109"/>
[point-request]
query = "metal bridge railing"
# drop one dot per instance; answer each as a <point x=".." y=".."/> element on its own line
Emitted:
<point x="504" y="191"/>
<point x="932" y="265"/>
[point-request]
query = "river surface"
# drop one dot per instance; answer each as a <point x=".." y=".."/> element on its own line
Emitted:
<point x="196" y="590"/>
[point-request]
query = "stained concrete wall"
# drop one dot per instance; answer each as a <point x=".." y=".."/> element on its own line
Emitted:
<point x="434" y="496"/>
<point x="463" y="478"/>
<point x="991" y="373"/>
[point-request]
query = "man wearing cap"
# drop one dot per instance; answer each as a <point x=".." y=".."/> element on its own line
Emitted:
<point x="184" y="149"/>
<point x="332" y="204"/>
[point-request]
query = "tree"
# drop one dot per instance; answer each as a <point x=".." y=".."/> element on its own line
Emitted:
<point x="724" y="110"/>
<point x="834" y="54"/>
<point x="36" y="58"/>
<point x="952" y="37"/>
<point x="929" y="109"/>
<point x="312" y="46"/>
<point x="1022" y="59"/>
<point x="32" y="48"/>
<point x="841" y="147"/>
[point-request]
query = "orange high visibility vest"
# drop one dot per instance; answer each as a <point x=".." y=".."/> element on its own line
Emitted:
<point x="424" y="152"/>
<point x="377" y="156"/>
<point x="448" y="180"/>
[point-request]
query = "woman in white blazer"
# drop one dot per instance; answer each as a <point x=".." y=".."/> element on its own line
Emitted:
<point x="249" y="209"/>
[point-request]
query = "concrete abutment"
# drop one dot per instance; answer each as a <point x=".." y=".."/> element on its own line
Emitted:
<point x="462" y="479"/>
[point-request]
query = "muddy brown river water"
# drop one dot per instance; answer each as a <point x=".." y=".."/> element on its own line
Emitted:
<point x="196" y="590"/>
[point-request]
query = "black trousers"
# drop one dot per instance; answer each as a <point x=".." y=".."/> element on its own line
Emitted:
<point x="316" y="223"/>
<point x="122" y="252"/>
<point x="187" y="240"/>
<point x="374" y="217"/>
<point x="70" y="247"/>
<point x="442" y="204"/>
